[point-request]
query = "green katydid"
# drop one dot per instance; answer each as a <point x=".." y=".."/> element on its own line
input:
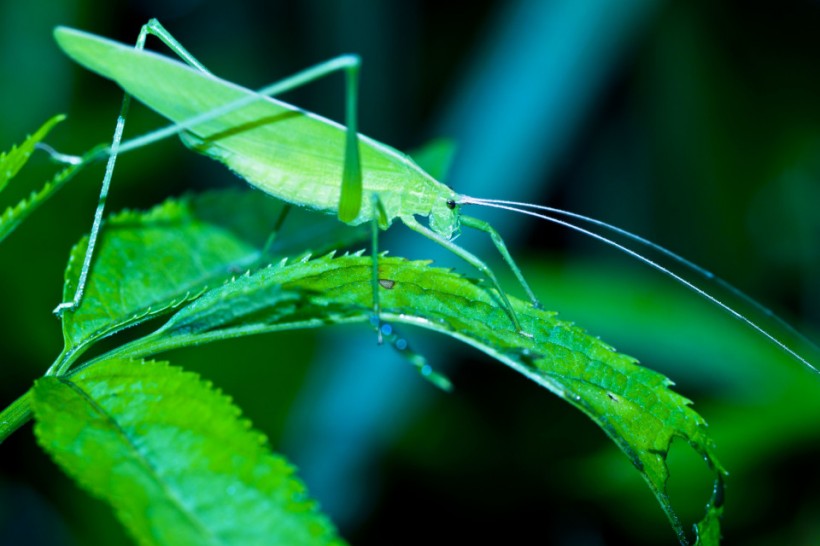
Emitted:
<point x="309" y="161"/>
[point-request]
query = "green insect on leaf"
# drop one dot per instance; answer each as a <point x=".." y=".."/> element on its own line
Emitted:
<point x="294" y="155"/>
<point x="309" y="161"/>
<point x="317" y="164"/>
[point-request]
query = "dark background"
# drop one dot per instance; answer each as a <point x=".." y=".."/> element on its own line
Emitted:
<point x="693" y="123"/>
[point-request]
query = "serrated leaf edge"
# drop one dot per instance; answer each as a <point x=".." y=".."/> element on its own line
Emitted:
<point x="24" y="151"/>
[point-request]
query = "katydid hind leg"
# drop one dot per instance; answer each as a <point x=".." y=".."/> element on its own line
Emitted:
<point x="351" y="181"/>
<point x="350" y="200"/>
<point x="104" y="189"/>
<point x="98" y="213"/>
<point x="153" y="27"/>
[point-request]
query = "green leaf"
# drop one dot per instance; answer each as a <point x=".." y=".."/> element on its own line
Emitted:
<point x="708" y="529"/>
<point x="174" y="458"/>
<point x="12" y="161"/>
<point x="148" y="263"/>
<point x="10" y="165"/>
<point x="12" y="217"/>
<point x="632" y="404"/>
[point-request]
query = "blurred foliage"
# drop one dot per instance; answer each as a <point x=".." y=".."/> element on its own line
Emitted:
<point x="699" y="131"/>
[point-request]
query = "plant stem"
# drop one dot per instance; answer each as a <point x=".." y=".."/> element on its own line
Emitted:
<point x="15" y="416"/>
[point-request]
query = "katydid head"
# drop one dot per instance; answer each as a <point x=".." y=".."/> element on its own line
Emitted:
<point x="445" y="216"/>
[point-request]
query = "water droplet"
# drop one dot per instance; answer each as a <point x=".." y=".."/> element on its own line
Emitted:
<point x="387" y="329"/>
<point x="401" y="344"/>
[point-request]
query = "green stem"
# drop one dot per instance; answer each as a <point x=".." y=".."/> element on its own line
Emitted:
<point x="64" y="361"/>
<point x="15" y="416"/>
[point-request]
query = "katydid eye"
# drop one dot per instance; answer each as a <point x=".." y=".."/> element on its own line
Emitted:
<point x="451" y="204"/>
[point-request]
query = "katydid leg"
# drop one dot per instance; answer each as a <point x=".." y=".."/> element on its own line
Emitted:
<point x="470" y="258"/>
<point x="275" y="231"/>
<point x="374" y="250"/>
<point x="481" y="225"/>
<point x="379" y="217"/>
<point x="106" y="184"/>
<point x="155" y="28"/>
